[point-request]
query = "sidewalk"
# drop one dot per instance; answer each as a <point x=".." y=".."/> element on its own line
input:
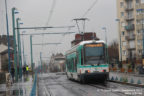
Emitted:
<point x="22" y="88"/>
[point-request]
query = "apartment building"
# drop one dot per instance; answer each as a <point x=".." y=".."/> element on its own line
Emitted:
<point x="131" y="24"/>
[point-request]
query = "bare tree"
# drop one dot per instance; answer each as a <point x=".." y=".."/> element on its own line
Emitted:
<point x="113" y="51"/>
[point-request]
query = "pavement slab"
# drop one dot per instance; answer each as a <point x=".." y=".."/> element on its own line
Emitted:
<point x="21" y="88"/>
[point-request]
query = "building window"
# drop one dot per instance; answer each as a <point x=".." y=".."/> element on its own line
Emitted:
<point x="122" y="14"/>
<point x="137" y="2"/>
<point x="122" y="24"/>
<point x="138" y="32"/>
<point x="130" y="22"/>
<point x="139" y="51"/>
<point x="123" y="43"/>
<point x="121" y="4"/>
<point x="132" y="44"/>
<point x="137" y="12"/>
<point x="142" y="21"/>
<point x="123" y="33"/>
<point x="124" y="52"/>
<point x="138" y="22"/>
<point x="139" y="42"/>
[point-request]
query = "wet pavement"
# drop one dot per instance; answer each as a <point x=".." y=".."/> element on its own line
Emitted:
<point x="22" y="88"/>
<point x="58" y="85"/>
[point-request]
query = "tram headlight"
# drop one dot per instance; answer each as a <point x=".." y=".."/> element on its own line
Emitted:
<point x="87" y="71"/>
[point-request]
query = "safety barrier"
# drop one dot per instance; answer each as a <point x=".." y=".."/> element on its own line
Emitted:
<point x="127" y="78"/>
<point x="34" y="87"/>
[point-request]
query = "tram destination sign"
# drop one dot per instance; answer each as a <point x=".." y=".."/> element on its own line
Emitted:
<point x="93" y="45"/>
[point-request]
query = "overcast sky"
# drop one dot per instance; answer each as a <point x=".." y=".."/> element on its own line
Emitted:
<point x="36" y="13"/>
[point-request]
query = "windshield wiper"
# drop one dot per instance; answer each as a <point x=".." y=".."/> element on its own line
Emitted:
<point x="99" y="60"/>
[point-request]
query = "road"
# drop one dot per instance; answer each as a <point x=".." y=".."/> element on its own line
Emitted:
<point x="58" y="85"/>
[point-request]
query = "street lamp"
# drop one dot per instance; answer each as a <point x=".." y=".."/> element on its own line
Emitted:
<point x="14" y="38"/>
<point x="7" y="25"/>
<point x="32" y="66"/>
<point x="19" y="46"/>
<point x="118" y="20"/>
<point x="24" y="63"/>
<point x="106" y="47"/>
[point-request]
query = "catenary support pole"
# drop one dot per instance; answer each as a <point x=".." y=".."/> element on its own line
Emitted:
<point x="15" y="45"/>
<point x="7" y="25"/>
<point x="31" y="52"/>
<point x="19" y="48"/>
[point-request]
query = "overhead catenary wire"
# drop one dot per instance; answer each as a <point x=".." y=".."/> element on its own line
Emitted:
<point x="44" y="27"/>
<point x="47" y="43"/>
<point x="84" y="15"/>
<point x="64" y="33"/>
<point x="90" y="8"/>
<point x="51" y="12"/>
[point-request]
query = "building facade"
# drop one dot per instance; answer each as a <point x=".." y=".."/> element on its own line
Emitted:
<point x="4" y="53"/>
<point x="131" y="24"/>
<point x="4" y="58"/>
<point x="57" y="63"/>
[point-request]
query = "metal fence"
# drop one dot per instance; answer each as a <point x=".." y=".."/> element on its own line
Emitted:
<point x="34" y="87"/>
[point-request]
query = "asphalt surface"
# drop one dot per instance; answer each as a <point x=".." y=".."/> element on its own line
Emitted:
<point x="52" y="84"/>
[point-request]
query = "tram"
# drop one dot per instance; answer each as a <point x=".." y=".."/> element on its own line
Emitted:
<point x="87" y="61"/>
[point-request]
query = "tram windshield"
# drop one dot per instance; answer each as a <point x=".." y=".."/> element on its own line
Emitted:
<point x="94" y="54"/>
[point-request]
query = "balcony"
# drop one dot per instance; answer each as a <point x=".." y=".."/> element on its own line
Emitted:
<point x="128" y="0"/>
<point x="140" y="16"/>
<point x="129" y="27"/>
<point x="140" y="6"/>
<point x="129" y="8"/>
<point x="128" y="18"/>
<point x="130" y="37"/>
<point x="140" y="26"/>
<point x="130" y="48"/>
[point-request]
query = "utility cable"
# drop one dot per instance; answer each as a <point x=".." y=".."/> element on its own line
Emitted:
<point x="51" y="12"/>
<point x="90" y="8"/>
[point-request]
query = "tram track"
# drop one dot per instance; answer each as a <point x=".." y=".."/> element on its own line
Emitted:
<point x="107" y="88"/>
<point x="83" y="92"/>
<point x="47" y="89"/>
<point x="51" y="84"/>
<point x="104" y="87"/>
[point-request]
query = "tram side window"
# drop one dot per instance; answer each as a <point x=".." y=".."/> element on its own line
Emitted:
<point x="69" y="66"/>
<point x="73" y="64"/>
<point x="77" y="59"/>
<point x="82" y="57"/>
<point x="76" y="64"/>
<point x="66" y="63"/>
